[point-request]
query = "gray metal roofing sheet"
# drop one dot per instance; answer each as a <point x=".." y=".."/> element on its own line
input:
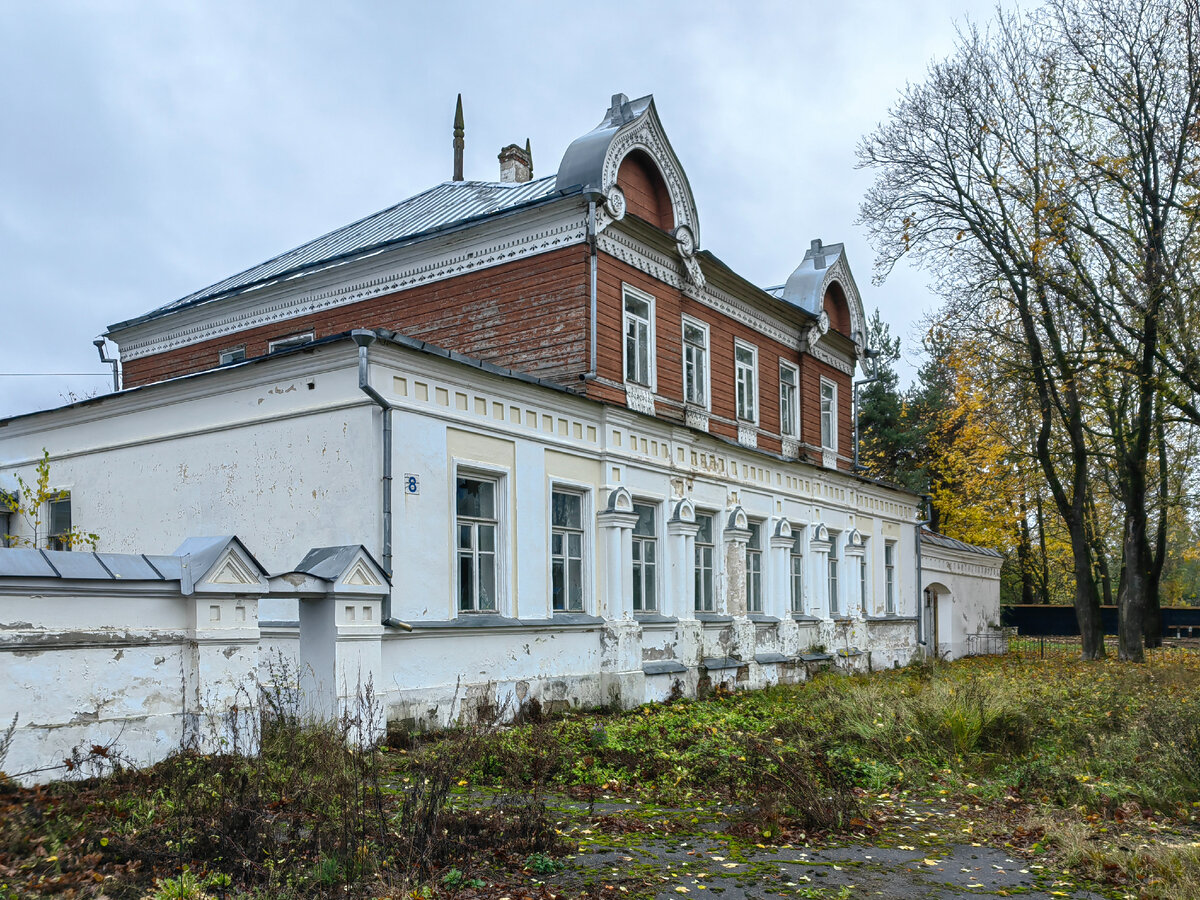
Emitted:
<point x="940" y="540"/>
<point x="73" y="564"/>
<point x="328" y="563"/>
<point x="24" y="563"/>
<point x="129" y="566"/>
<point x="446" y="204"/>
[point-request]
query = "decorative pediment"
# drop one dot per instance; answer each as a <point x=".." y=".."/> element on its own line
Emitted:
<point x="684" y="511"/>
<point x="620" y="500"/>
<point x="348" y="568"/>
<point x="783" y="529"/>
<point x="737" y="519"/>
<point x="820" y="532"/>
<point x="232" y="570"/>
<point x="361" y="576"/>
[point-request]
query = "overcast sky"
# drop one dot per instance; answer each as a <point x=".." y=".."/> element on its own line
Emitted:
<point x="150" y="149"/>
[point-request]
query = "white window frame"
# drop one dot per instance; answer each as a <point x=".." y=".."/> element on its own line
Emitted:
<point x="832" y="412"/>
<point x="291" y="340"/>
<point x="586" y="543"/>
<point x="499" y="477"/>
<point x="796" y="562"/>
<point x="889" y="569"/>
<point x="638" y="562"/>
<point x="864" y="577"/>
<point x="706" y="380"/>
<point x="833" y="576"/>
<point x="751" y="371"/>
<point x="55" y="539"/>
<point x="652" y="382"/>
<point x="225" y="357"/>
<point x="789" y="426"/>
<point x="698" y="570"/>
<point x="755" y="602"/>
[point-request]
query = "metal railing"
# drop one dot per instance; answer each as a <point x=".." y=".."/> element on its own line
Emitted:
<point x="990" y="643"/>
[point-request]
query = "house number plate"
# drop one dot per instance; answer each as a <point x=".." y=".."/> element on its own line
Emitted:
<point x="412" y="483"/>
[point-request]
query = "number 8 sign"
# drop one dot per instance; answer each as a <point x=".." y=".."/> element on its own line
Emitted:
<point x="412" y="483"/>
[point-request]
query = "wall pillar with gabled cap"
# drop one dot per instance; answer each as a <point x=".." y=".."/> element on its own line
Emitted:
<point x="341" y="592"/>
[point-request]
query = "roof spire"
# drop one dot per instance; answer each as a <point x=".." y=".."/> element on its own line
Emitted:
<point x="529" y="153"/>
<point x="458" y="140"/>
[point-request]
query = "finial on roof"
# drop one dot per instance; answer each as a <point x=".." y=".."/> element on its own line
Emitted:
<point x="458" y="140"/>
<point x="529" y="153"/>
<point x="818" y="254"/>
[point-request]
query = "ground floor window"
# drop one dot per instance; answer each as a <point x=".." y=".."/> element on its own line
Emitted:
<point x="834" y="606"/>
<point x="645" y="559"/>
<point x="566" y="551"/>
<point x="796" y="558"/>
<point x="889" y="568"/>
<point x="704" y="563"/>
<point x="477" y="527"/>
<point x="754" y="585"/>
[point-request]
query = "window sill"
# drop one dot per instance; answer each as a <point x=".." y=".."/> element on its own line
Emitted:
<point x="664" y="667"/>
<point x="649" y="618"/>
<point x="815" y="657"/>
<point x="713" y="617"/>
<point x="488" y="620"/>
<point x="768" y="659"/>
<point x="805" y="619"/>
<point x="721" y="662"/>
<point x="843" y="620"/>
<point x="761" y="619"/>
<point x="891" y="618"/>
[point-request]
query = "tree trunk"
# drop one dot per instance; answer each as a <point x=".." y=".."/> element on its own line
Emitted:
<point x="1025" y="553"/>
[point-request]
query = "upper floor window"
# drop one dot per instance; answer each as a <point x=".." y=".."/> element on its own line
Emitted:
<point x="789" y="406"/>
<point x="796" y="558"/>
<point x="232" y="355"/>
<point x="745" y="359"/>
<point x="645" y="559"/>
<point x="566" y="551"/>
<point x="704" y="563"/>
<point x="477" y="525"/>
<point x="58" y="533"/>
<point x="889" y="581"/>
<point x="287" y="343"/>
<point x="754" y="554"/>
<point x="695" y="363"/>
<point x="828" y="415"/>
<point x="639" y="337"/>
<point x="834" y="603"/>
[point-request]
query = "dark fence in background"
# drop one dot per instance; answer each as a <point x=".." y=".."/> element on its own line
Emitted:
<point x="1178" y="621"/>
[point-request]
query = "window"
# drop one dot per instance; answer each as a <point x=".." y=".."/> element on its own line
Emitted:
<point x="828" y="415"/>
<point x="566" y="551"/>
<point x="797" y="565"/>
<point x="58" y="534"/>
<point x="863" y="581"/>
<point x="754" y="587"/>
<point x="477" y="524"/>
<point x="645" y="559"/>
<point x="789" y="421"/>
<point x="232" y="355"/>
<point x="834" y="606"/>
<point x="287" y="343"/>
<point x="695" y="363"/>
<point x="889" y="568"/>
<point x="704" y="563"/>
<point x="639" y="338"/>
<point x="745" y="359"/>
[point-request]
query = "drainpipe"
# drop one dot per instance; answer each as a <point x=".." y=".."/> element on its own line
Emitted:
<point x="115" y="362"/>
<point x="364" y="338"/>
<point x="921" y="523"/>
<point x="593" y="198"/>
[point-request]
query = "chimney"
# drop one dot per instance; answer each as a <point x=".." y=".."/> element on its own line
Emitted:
<point x="516" y="164"/>
<point x="458" y="140"/>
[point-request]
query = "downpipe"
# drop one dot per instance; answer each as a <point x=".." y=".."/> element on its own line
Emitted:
<point x="593" y="199"/>
<point x="921" y="523"/>
<point x="364" y="338"/>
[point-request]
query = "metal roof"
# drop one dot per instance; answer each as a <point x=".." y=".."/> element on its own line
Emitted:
<point x="804" y="285"/>
<point x="330" y="563"/>
<point x="940" y="540"/>
<point x="27" y="563"/>
<point x="445" y="205"/>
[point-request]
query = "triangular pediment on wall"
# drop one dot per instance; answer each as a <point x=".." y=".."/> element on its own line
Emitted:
<point x="360" y="575"/>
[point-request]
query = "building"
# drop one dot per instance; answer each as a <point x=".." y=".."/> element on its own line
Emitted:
<point x="598" y="465"/>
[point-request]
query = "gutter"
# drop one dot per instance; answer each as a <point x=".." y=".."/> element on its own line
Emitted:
<point x="364" y="338"/>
